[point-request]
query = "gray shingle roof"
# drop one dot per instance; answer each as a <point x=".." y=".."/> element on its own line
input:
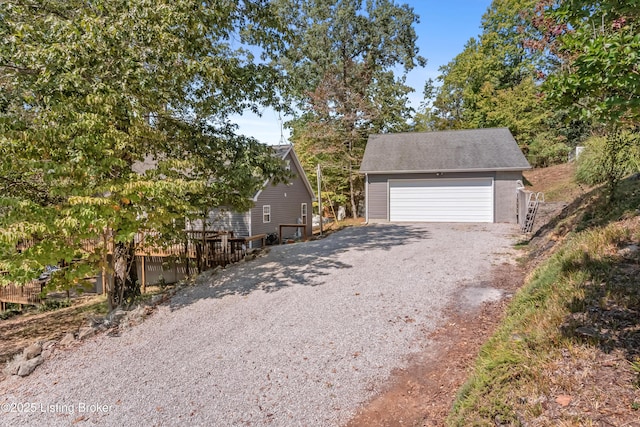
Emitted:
<point x="459" y="150"/>
<point x="281" y="150"/>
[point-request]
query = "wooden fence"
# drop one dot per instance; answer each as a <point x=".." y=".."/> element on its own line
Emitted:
<point x="29" y="294"/>
<point x="199" y="251"/>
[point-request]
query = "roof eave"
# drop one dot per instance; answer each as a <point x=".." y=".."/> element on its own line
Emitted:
<point x="510" y="169"/>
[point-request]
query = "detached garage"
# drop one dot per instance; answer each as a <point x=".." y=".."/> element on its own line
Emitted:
<point x="451" y="176"/>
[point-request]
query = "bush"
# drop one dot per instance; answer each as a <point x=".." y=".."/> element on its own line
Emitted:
<point x="51" y="305"/>
<point x="545" y="150"/>
<point x="608" y="159"/>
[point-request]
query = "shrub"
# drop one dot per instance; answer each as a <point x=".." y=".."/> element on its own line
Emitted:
<point x="608" y="159"/>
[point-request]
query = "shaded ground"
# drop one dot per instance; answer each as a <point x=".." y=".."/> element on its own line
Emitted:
<point x="342" y="312"/>
<point x="20" y="331"/>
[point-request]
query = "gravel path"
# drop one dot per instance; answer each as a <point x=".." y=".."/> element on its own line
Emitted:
<point x="300" y="337"/>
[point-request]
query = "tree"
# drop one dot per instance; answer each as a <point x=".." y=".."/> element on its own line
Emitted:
<point x="92" y="90"/>
<point x="496" y="82"/>
<point x="340" y="67"/>
<point x="597" y="77"/>
<point x="595" y="44"/>
<point x="496" y="61"/>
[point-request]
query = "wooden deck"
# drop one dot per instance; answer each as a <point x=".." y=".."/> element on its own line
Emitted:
<point x="29" y="294"/>
<point x="208" y="251"/>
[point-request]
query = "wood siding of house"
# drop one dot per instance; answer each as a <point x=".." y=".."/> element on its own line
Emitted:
<point x="285" y="201"/>
<point x="504" y="192"/>
<point x="225" y="220"/>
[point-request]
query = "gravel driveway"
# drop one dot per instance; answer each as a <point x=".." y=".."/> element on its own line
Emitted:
<point x="300" y="337"/>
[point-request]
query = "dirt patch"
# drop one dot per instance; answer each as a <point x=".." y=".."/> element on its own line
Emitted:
<point x="556" y="182"/>
<point x="423" y="393"/>
<point x="20" y="331"/>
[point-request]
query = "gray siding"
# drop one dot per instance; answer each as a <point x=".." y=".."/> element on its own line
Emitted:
<point x="506" y="196"/>
<point x="504" y="192"/>
<point x="225" y="220"/>
<point x="285" y="201"/>
<point x="377" y="198"/>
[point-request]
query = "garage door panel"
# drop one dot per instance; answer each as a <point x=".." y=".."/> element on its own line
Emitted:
<point x="441" y="200"/>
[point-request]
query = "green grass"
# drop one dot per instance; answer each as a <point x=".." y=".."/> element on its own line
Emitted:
<point x="513" y="367"/>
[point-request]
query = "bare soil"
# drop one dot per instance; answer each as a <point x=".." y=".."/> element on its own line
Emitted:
<point x="20" y="331"/>
<point x="423" y="393"/>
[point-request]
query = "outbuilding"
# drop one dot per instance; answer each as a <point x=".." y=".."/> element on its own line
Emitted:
<point x="448" y="176"/>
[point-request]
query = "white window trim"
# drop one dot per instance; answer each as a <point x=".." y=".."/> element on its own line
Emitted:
<point x="303" y="212"/>
<point x="266" y="214"/>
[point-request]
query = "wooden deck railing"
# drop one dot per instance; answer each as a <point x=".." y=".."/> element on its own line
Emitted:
<point x="208" y="251"/>
<point x="29" y="294"/>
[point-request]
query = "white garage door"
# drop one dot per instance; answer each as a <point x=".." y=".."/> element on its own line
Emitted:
<point x="441" y="200"/>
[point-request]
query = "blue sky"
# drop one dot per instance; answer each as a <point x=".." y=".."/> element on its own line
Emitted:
<point x="444" y="28"/>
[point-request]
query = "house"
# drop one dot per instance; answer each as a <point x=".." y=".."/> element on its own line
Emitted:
<point x="449" y="176"/>
<point x="285" y="203"/>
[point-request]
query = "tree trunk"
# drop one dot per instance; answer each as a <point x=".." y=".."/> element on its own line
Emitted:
<point x="126" y="286"/>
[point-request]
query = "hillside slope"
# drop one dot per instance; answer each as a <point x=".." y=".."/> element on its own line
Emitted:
<point x="568" y="352"/>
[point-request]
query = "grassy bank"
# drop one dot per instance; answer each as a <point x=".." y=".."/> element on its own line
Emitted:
<point x="568" y="352"/>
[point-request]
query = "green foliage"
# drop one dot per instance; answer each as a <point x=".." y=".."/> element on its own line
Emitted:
<point x="340" y="65"/>
<point x="597" y="43"/>
<point x="518" y="108"/>
<point x="608" y="159"/>
<point x="496" y="82"/>
<point x="547" y="149"/>
<point x="9" y="313"/>
<point x="51" y="305"/>
<point x="490" y="70"/>
<point x="113" y="120"/>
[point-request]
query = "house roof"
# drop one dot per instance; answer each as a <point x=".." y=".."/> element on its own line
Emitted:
<point x="281" y="151"/>
<point x="447" y="151"/>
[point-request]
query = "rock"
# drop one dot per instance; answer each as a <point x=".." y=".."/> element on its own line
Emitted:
<point x="86" y="332"/>
<point x="32" y="351"/>
<point x="115" y="316"/>
<point x="28" y="366"/>
<point x="49" y="345"/>
<point x="13" y="366"/>
<point x="48" y="348"/>
<point x="156" y="299"/>
<point x="586" y="331"/>
<point x="136" y="315"/>
<point x="68" y="339"/>
<point x="96" y="322"/>
<point x="517" y="338"/>
<point x="629" y="251"/>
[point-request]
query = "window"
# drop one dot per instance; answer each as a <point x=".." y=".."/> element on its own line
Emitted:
<point x="287" y="165"/>
<point x="303" y="212"/>
<point x="266" y="213"/>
